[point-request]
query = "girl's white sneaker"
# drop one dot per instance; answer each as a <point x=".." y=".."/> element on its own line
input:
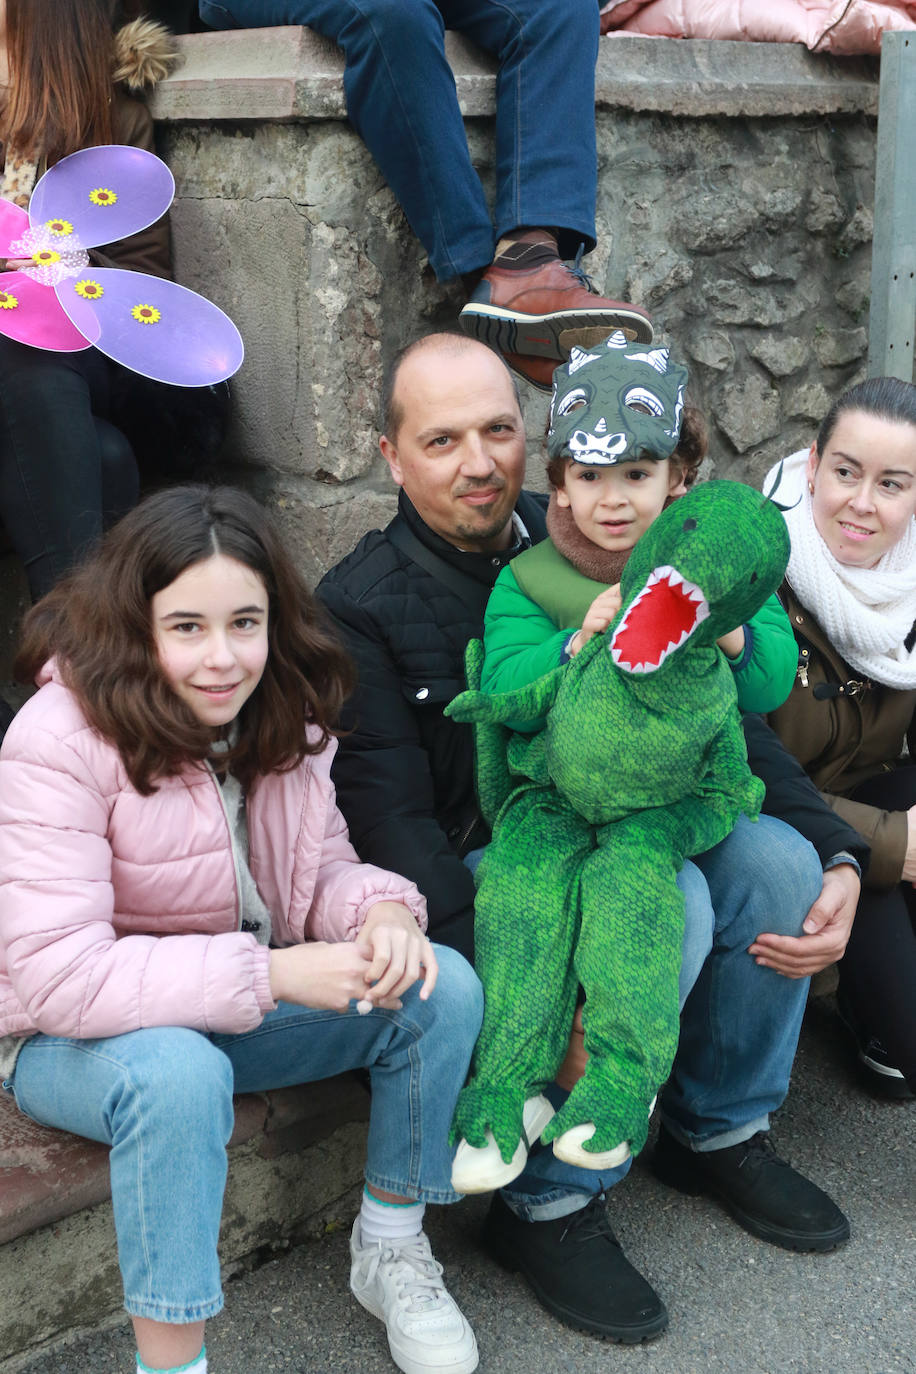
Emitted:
<point x="399" y="1282"/>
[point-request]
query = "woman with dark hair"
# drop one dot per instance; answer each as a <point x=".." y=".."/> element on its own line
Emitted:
<point x="182" y="917"/>
<point x="67" y="75"/>
<point x="850" y="592"/>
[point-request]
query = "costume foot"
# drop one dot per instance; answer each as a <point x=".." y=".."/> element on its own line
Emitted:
<point x="764" y="1194"/>
<point x="482" y="1170"/>
<point x="545" y="309"/>
<point x="577" y="1271"/>
<point x="568" y="1147"/>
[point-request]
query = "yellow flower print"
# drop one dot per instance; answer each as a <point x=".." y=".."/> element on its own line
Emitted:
<point x="102" y="196"/>
<point x="7" y="302"/>
<point x="89" y="290"/>
<point x="59" y="227"/>
<point x="45" y="257"/>
<point x="146" y="314"/>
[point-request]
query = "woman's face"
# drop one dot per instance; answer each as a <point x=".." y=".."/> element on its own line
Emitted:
<point x="210" y="629"/>
<point x="864" y="487"/>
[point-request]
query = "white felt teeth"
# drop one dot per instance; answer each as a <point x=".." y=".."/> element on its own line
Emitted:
<point x="692" y="592"/>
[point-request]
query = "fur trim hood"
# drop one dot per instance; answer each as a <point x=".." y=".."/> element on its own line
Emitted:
<point x="145" y="53"/>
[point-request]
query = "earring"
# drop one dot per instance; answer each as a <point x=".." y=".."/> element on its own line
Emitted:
<point x="811" y="488"/>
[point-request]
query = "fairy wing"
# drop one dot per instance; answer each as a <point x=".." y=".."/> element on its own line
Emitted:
<point x="153" y="326"/>
<point x="101" y="195"/>
<point x="13" y="223"/>
<point x="31" y="314"/>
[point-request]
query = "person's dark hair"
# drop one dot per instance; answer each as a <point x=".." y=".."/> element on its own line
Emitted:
<point x="60" y="59"/>
<point x="689" y="454"/>
<point x="887" y="398"/>
<point x="96" y="623"/>
<point x="391" y="410"/>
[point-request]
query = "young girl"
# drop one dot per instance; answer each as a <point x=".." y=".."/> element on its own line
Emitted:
<point x="850" y="592"/>
<point x="66" y="471"/>
<point x="182" y="916"/>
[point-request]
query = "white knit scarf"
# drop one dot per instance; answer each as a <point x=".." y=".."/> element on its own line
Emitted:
<point x="866" y="613"/>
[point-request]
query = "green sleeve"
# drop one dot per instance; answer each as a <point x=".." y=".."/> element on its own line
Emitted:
<point x="521" y="643"/>
<point x="765" y="672"/>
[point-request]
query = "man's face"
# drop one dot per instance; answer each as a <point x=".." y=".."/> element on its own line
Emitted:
<point x="459" y="453"/>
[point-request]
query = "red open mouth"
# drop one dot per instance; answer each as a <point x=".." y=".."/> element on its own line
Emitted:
<point x="662" y="617"/>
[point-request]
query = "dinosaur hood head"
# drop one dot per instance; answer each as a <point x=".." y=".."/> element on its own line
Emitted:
<point x="616" y="403"/>
<point x="706" y="565"/>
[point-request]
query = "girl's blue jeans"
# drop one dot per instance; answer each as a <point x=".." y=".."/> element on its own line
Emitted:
<point x="401" y="99"/>
<point x="162" y="1099"/>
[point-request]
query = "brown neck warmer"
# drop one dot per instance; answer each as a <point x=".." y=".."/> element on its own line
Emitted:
<point x="601" y="565"/>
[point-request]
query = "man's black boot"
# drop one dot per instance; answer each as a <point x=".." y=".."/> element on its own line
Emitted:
<point x="577" y="1271"/>
<point x="764" y="1194"/>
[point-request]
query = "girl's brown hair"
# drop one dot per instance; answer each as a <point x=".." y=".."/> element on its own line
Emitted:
<point x="60" y="60"/>
<point x="689" y="454"/>
<point x="97" y="625"/>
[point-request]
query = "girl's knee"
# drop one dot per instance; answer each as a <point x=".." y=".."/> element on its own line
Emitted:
<point x="179" y="1075"/>
<point x="458" y="994"/>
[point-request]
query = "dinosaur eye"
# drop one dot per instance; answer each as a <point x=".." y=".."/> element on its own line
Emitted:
<point x="689" y="525"/>
<point x="638" y="398"/>
<point x="574" y="401"/>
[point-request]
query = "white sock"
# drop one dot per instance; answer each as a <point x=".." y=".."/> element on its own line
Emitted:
<point x="382" y="1221"/>
<point x="197" y="1366"/>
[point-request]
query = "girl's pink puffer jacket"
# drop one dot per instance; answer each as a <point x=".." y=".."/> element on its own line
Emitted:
<point x="838" y="26"/>
<point x="119" y="911"/>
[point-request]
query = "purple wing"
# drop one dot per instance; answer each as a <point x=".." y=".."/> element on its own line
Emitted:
<point x="32" y="314"/>
<point x="153" y="326"/>
<point x="103" y="194"/>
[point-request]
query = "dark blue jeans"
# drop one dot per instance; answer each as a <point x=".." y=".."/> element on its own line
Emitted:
<point x="401" y="99"/>
<point x="65" y="472"/>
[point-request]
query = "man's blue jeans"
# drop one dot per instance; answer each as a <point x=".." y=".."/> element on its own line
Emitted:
<point x="402" y="101"/>
<point x="162" y="1098"/>
<point x="739" y="1022"/>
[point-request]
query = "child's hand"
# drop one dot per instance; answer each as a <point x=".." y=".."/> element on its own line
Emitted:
<point x="398" y="952"/>
<point x="318" y="974"/>
<point x="732" y="644"/>
<point x="597" y="618"/>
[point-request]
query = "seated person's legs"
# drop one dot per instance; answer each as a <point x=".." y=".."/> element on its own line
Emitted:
<point x="878" y="970"/>
<point x="51" y="459"/>
<point x="739" y="1031"/>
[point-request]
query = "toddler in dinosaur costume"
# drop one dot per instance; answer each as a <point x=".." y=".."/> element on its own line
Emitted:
<point x="579" y="882"/>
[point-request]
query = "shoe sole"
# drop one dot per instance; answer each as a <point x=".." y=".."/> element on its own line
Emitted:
<point x="550" y="336"/>
<point x="693" y="1185"/>
<point x="407" y="1362"/>
<point x="635" y="1335"/>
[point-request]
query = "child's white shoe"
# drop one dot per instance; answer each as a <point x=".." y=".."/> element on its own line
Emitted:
<point x="569" y="1147"/>
<point x="481" y="1170"/>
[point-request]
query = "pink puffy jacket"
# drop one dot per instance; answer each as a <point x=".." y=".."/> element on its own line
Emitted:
<point x="838" y="26"/>
<point x="119" y="911"/>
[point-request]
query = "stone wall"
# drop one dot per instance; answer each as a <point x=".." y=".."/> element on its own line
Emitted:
<point x="735" y="194"/>
<point x="735" y="202"/>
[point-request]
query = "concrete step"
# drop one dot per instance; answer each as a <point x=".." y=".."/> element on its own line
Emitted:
<point x="293" y="1153"/>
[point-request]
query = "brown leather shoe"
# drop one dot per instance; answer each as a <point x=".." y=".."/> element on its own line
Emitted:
<point x="546" y="310"/>
<point x="538" y="371"/>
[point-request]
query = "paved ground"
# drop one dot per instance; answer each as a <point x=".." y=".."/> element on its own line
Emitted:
<point x="736" y="1304"/>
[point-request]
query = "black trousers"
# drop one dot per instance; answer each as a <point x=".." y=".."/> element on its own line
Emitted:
<point x="66" y="473"/>
<point x="878" y="971"/>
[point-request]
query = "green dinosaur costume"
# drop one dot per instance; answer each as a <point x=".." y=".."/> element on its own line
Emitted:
<point x="641" y="764"/>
